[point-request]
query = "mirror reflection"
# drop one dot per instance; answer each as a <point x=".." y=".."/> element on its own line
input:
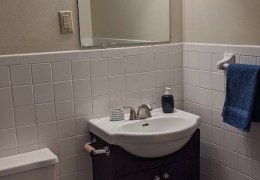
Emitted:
<point x="114" y="22"/>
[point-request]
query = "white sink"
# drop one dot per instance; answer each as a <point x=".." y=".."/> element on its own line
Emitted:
<point x="160" y="135"/>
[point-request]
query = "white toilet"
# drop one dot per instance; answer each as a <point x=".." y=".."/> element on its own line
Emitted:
<point x="35" y="165"/>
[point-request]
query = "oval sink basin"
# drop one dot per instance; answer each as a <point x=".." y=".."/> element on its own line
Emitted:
<point x="160" y="135"/>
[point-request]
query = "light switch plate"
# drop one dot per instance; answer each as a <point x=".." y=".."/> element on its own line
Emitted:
<point x="66" y="23"/>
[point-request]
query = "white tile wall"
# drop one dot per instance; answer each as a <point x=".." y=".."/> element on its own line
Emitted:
<point x="47" y="99"/>
<point x="226" y="153"/>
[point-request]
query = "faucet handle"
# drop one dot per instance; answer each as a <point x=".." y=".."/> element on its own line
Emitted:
<point x="150" y="106"/>
<point x="132" y="113"/>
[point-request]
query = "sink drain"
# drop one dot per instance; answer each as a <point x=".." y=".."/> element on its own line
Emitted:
<point x="146" y="124"/>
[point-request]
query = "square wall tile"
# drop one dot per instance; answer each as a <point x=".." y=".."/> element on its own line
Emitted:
<point x="245" y="165"/>
<point x="231" y="141"/>
<point x="26" y="135"/>
<point x="84" y="161"/>
<point x="24" y="115"/>
<point x="61" y="71"/>
<point x="162" y="78"/>
<point x="4" y="76"/>
<point x="177" y="92"/>
<point x="66" y="128"/>
<point x="28" y="148"/>
<point x="41" y="73"/>
<point x="131" y="64"/>
<point x="205" y="114"/>
<point x="192" y="77"/>
<point x="7" y="139"/>
<point x="176" y="60"/>
<point x="8" y="152"/>
<point x="80" y="69"/>
<point x="205" y="97"/>
<point x="116" y="84"/>
<point x="82" y="125"/>
<point x="217" y="119"/>
<point x="147" y="63"/>
<point x="218" y="136"/>
<point x="5" y="98"/>
<point x="83" y="107"/>
<point x="23" y="95"/>
<point x="45" y="112"/>
<point x="72" y="176"/>
<point x="148" y="96"/>
<point x="7" y="119"/>
<point x="194" y="60"/>
<point x="147" y="80"/>
<point x="98" y="67"/>
<point x="133" y="99"/>
<point x="81" y="88"/>
<point x="205" y="131"/>
<point x="218" y="99"/>
<point x="21" y="75"/>
<point x="99" y="86"/>
<point x="85" y="174"/>
<point x="218" y="82"/>
<point x="100" y="104"/>
<point x="205" y="61"/>
<point x="43" y="93"/>
<point x="63" y="90"/>
<point x="193" y="94"/>
<point x="116" y="101"/>
<point x="115" y="66"/>
<point x="176" y="76"/>
<point x="162" y="61"/>
<point x="186" y="59"/>
<point x="205" y="79"/>
<point x="64" y="109"/>
<point x="132" y="82"/>
<point x="67" y="146"/>
<point x="68" y="164"/>
<point x="51" y="145"/>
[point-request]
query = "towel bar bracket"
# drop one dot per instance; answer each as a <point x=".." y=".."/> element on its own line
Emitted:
<point x="223" y="64"/>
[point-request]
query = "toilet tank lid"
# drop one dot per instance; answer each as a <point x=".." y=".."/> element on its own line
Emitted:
<point x="27" y="161"/>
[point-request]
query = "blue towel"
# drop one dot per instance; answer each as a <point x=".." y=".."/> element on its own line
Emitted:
<point x="242" y="103"/>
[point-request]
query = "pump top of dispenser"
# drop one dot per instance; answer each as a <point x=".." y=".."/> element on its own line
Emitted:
<point x="167" y="90"/>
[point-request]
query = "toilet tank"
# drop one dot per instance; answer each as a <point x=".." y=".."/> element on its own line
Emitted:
<point x="35" y="165"/>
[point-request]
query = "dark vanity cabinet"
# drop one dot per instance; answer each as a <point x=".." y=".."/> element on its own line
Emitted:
<point x="121" y="165"/>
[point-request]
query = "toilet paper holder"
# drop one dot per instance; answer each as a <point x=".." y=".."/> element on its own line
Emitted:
<point x="93" y="152"/>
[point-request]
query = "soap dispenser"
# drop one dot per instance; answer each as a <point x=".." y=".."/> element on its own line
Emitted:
<point x="167" y="101"/>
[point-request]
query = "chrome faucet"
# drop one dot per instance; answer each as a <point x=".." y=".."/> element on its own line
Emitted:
<point x="143" y="112"/>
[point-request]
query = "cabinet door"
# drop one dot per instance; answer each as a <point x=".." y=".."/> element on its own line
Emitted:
<point x="145" y="175"/>
<point x="180" y="171"/>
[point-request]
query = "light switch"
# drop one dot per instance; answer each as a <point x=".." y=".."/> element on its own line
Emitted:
<point x="66" y="22"/>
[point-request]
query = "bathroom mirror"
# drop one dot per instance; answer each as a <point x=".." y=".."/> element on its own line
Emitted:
<point x="115" y="22"/>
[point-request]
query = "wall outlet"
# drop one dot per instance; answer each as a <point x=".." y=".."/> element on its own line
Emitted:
<point x="66" y="22"/>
